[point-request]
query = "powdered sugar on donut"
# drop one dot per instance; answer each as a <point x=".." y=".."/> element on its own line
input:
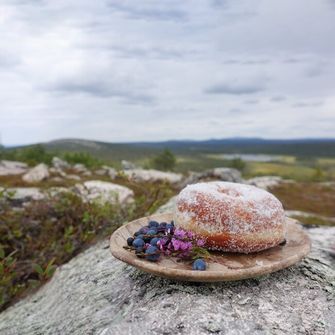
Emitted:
<point x="231" y="210"/>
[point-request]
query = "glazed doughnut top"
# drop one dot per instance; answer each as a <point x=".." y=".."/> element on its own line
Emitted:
<point x="232" y="217"/>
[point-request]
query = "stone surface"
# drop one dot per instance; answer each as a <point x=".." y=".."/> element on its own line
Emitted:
<point x="82" y="169"/>
<point x="106" y="171"/>
<point x="227" y="174"/>
<point x="8" y="168"/>
<point x="126" y="165"/>
<point x="97" y="190"/>
<point x="59" y="163"/>
<point x="38" y="173"/>
<point x="111" y="172"/>
<point x="224" y="174"/>
<point x="141" y="175"/>
<point x="265" y="182"/>
<point x="97" y="294"/>
<point x="72" y="177"/>
<point x="24" y="194"/>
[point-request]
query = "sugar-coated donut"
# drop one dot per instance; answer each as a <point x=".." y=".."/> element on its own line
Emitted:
<point x="231" y="217"/>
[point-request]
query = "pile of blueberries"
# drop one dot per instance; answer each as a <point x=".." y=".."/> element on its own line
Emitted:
<point x="146" y="242"/>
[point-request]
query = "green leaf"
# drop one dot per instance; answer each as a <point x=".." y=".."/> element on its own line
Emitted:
<point x="33" y="282"/>
<point x="51" y="270"/>
<point x="2" y="252"/>
<point x="9" y="261"/>
<point x="38" y="269"/>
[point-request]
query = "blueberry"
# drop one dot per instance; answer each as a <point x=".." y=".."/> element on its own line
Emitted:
<point x="170" y="228"/>
<point x="152" y="253"/>
<point x="152" y="232"/>
<point x="137" y="233"/>
<point x="144" y="230"/>
<point x="147" y="238"/>
<point x="199" y="264"/>
<point x="154" y="241"/>
<point x="141" y="236"/>
<point x="130" y="241"/>
<point x="138" y="243"/>
<point x="153" y="224"/>
<point x="162" y="225"/>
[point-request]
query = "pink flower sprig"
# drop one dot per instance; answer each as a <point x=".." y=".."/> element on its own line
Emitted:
<point x="183" y="244"/>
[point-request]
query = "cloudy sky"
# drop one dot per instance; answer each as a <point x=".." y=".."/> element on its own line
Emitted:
<point x="155" y="70"/>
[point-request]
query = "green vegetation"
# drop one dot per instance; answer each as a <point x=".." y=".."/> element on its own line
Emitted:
<point x="32" y="155"/>
<point x="165" y="161"/>
<point x="82" y="158"/>
<point x="48" y="233"/>
<point x="237" y="163"/>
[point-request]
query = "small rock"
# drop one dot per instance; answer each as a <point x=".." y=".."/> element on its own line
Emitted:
<point x="111" y="172"/>
<point x="264" y="182"/>
<point x="24" y="194"/>
<point x="224" y="174"/>
<point x="73" y="177"/>
<point x="59" y="163"/>
<point x="36" y="174"/>
<point x="105" y="192"/>
<point x="8" y="168"/>
<point x="227" y="174"/>
<point x="141" y="175"/>
<point x="54" y="191"/>
<point x="80" y="168"/>
<point x="106" y="171"/>
<point x="57" y="179"/>
<point x="126" y="165"/>
<point x="100" y="172"/>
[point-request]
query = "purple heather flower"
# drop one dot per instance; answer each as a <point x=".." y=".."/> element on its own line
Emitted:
<point x="190" y="234"/>
<point x="200" y="243"/>
<point x="180" y="233"/>
<point x="181" y="245"/>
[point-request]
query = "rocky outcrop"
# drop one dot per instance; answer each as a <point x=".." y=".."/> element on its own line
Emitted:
<point x="97" y="190"/>
<point x="96" y="294"/>
<point x="80" y="168"/>
<point x="141" y="175"/>
<point x="8" y="168"/>
<point x="223" y="174"/>
<point x="58" y="163"/>
<point x="126" y="165"/>
<point x="23" y="194"/>
<point x="265" y="182"/>
<point x="106" y="171"/>
<point x="38" y="173"/>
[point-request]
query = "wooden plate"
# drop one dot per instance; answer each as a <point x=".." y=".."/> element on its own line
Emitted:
<point x="223" y="266"/>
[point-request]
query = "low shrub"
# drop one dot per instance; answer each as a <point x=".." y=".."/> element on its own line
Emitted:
<point x="37" y="238"/>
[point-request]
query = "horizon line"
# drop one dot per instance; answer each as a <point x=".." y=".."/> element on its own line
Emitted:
<point x="174" y="140"/>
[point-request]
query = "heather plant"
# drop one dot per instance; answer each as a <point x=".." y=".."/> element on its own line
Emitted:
<point x="44" y="234"/>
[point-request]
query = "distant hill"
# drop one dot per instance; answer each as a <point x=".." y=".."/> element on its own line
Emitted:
<point x="139" y="150"/>
<point x="296" y="147"/>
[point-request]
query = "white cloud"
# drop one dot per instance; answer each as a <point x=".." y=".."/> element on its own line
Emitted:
<point x="123" y="70"/>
